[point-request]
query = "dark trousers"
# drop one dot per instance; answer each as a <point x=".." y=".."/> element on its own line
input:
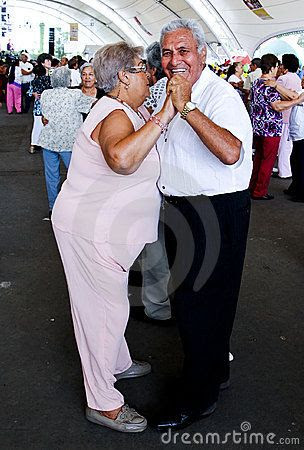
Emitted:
<point x="297" y="170"/>
<point x="206" y="243"/>
<point x="26" y="100"/>
<point x="266" y="152"/>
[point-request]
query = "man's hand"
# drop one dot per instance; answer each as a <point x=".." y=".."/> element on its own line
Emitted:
<point x="180" y="90"/>
<point x="270" y="83"/>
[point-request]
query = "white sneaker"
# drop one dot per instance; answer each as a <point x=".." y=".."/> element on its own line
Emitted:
<point x="127" y="421"/>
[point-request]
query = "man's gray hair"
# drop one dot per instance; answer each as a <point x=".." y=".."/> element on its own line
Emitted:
<point x="189" y="24"/>
<point x="111" y="59"/>
<point x="61" y="77"/>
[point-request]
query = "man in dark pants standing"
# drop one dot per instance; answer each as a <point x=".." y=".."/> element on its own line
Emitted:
<point x="27" y="76"/>
<point x="206" y="164"/>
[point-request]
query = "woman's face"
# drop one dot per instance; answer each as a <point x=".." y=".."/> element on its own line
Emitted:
<point x="47" y="63"/>
<point x="239" y="70"/>
<point x="273" y="71"/>
<point x="139" y="81"/>
<point x="88" y="77"/>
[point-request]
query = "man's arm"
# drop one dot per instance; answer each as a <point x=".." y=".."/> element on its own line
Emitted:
<point x="220" y="142"/>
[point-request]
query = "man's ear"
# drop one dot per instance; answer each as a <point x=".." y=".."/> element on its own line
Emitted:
<point x="203" y="55"/>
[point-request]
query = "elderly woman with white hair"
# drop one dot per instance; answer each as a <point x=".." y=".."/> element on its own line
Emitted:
<point x="106" y="212"/>
<point x="62" y="110"/>
<point x="88" y="83"/>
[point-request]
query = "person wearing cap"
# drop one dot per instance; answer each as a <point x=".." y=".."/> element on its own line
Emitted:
<point x="27" y="76"/>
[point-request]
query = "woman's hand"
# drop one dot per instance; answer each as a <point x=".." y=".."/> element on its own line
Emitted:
<point x="36" y="95"/>
<point x="168" y="111"/>
<point x="271" y="83"/>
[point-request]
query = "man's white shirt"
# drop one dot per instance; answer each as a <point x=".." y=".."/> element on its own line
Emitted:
<point x="188" y="167"/>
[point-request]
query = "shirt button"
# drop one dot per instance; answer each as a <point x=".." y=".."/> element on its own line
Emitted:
<point x="163" y="187"/>
<point x="166" y="140"/>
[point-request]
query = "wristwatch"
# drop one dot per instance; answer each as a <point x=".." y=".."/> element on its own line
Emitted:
<point x="189" y="106"/>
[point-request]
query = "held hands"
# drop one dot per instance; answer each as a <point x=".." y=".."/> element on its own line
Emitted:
<point x="270" y="83"/>
<point x="168" y="109"/>
<point x="180" y="90"/>
<point x="36" y="95"/>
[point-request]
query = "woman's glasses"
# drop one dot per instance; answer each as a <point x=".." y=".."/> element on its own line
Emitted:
<point x="137" y="69"/>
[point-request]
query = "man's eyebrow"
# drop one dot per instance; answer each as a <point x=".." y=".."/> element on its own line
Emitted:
<point x="181" y="47"/>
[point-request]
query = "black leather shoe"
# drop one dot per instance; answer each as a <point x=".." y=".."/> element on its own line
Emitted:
<point x="264" y="197"/>
<point x="181" y="418"/>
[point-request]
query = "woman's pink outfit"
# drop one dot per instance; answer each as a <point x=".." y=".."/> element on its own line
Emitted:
<point x="101" y="221"/>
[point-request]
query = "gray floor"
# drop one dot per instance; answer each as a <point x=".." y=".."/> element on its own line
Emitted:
<point x="42" y="398"/>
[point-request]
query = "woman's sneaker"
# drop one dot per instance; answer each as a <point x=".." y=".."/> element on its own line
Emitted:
<point x="127" y="421"/>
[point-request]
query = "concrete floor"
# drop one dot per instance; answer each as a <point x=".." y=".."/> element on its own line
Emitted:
<point x="42" y="397"/>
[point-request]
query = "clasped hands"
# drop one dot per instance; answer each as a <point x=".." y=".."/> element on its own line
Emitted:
<point x="179" y="90"/>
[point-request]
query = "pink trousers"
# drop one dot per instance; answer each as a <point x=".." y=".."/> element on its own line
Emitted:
<point x="13" y="98"/>
<point x="284" y="152"/>
<point x="97" y="279"/>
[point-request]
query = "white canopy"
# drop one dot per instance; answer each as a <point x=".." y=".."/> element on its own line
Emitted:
<point x="231" y="26"/>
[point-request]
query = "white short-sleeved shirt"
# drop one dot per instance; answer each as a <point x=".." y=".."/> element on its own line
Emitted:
<point x="28" y="67"/>
<point x="188" y="167"/>
<point x="296" y="122"/>
<point x="233" y="79"/>
<point x="251" y="77"/>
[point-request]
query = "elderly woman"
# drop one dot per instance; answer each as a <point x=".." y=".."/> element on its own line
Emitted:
<point x="88" y="82"/>
<point x="267" y="122"/>
<point x="61" y="108"/>
<point x="106" y="212"/>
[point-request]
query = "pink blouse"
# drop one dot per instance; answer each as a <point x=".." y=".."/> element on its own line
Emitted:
<point x="101" y="205"/>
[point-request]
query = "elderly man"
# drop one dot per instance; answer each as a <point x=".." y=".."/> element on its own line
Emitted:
<point x="205" y="170"/>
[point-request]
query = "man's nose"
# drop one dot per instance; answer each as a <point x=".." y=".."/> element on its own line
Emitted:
<point x="175" y="59"/>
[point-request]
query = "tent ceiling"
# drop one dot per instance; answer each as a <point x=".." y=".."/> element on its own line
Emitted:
<point x="229" y="23"/>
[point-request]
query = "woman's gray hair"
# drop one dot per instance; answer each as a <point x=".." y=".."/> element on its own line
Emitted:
<point x="153" y="55"/>
<point x="61" y="77"/>
<point x="111" y="59"/>
<point x="84" y="66"/>
<point x="189" y="24"/>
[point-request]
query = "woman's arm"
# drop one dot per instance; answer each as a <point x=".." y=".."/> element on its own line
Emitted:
<point x="123" y="148"/>
<point x="286" y="94"/>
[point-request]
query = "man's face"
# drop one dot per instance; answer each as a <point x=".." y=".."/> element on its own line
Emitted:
<point x="253" y="67"/>
<point x="23" y="58"/>
<point x="180" y="55"/>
